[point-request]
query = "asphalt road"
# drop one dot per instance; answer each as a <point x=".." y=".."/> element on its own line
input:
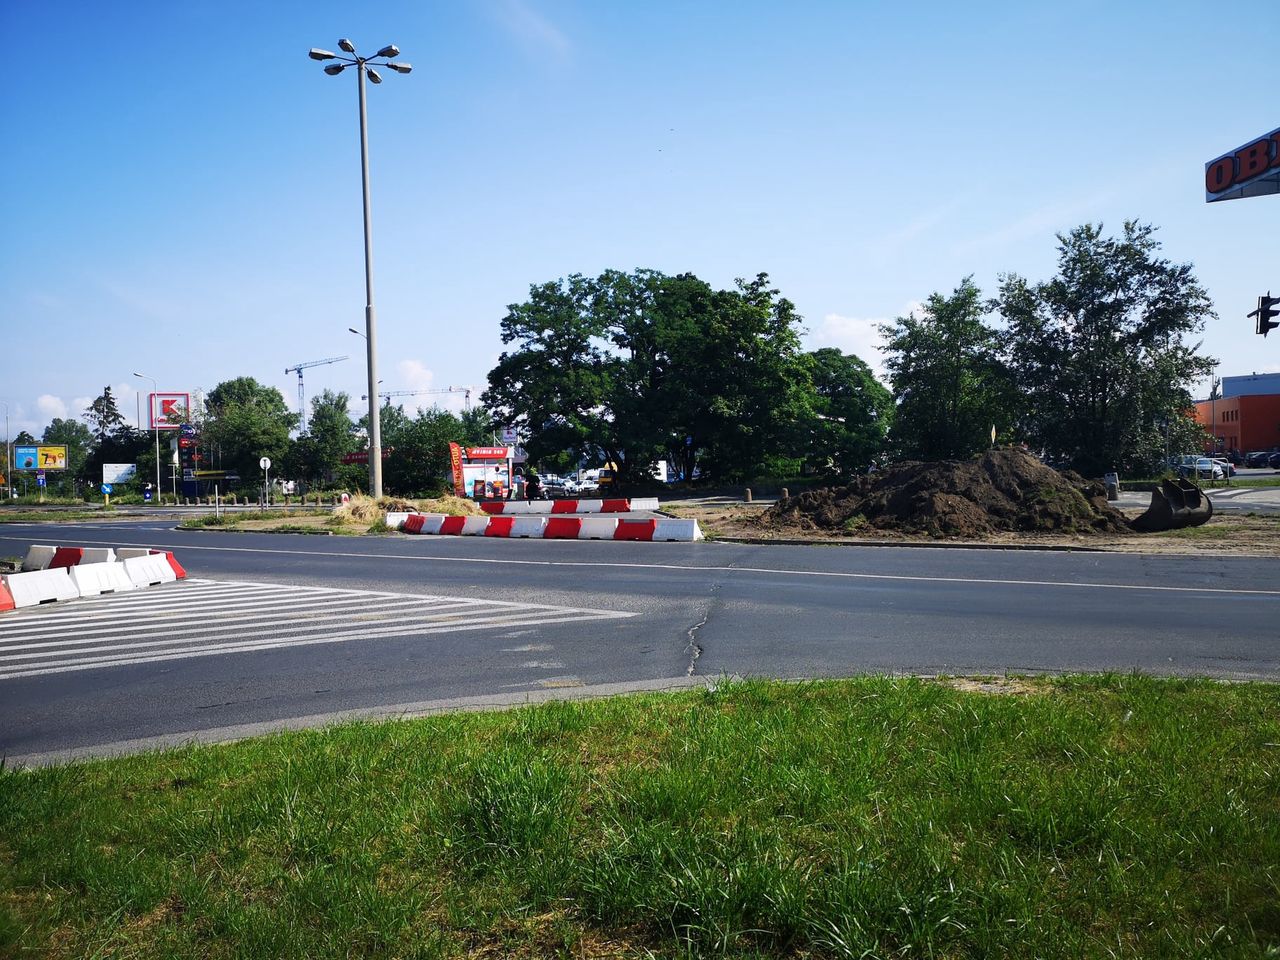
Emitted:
<point x="414" y="624"/>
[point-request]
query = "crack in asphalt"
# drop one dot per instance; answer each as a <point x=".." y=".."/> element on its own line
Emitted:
<point x="694" y="649"/>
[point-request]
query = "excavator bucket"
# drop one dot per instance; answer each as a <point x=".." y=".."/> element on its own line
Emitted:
<point x="1174" y="504"/>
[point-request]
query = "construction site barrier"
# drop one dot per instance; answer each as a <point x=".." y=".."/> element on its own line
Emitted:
<point x="396" y="520"/>
<point x="562" y="528"/>
<point x="39" y="586"/>
<point x="541" y="507"/>
<point x="6" y="598"/>
<point x="668" y="528"/>
<point x="598" y="528"/>
<point x="527" y="527"/>
<point x="92" y="579"/>
<point x="38" y="558"/>
<point x="554" y="527"/>
<point x="66" y="557"/>
<point x="149" y="570"/>
<point x="634" y="530"/>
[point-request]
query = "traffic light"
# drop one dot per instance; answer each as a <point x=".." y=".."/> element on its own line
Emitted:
<point x="1268" y="307"/>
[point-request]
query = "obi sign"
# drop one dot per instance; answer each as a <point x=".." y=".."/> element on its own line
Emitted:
<point x="169" y="410"/>
<point x="1249" y="171"/>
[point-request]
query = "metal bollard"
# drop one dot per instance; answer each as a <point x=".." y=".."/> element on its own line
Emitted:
<point x="746" y="495"/>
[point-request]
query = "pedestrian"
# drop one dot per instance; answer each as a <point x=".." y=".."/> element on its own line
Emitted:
<point x="532" y="485"/>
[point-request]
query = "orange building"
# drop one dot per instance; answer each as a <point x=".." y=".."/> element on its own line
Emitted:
<point x="1247" y="415"/>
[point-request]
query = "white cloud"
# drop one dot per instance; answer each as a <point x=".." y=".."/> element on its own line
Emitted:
<point x="859" y="336"/>
<point x="533" y="30"/>
<point x="415" y="375"/>
<point x="51" y="406"/>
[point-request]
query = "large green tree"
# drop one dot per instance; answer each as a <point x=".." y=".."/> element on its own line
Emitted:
<point x="850" y="417"/>
<point x="1099" y="353"/>
<point x="949" y="384"/>
<point x="316" y="456"/>
<point x="79" y="441"/>
<point x="103" y="415"/>
<point x="630" y="368"/>
<point x="247" y="421"/>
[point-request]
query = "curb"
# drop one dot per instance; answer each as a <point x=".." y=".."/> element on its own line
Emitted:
<point x="939" y="545"/>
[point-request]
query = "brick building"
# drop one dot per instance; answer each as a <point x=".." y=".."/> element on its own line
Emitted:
<point x="1247" y="415"/>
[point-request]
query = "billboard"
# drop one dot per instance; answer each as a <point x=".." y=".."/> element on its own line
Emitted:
<point x="1252" y="170"/>
<point x="118" y="472"/>
<point x="168" y="410"/>
<point x="46" y="456"/>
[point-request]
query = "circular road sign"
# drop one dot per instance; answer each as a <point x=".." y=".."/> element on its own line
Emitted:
<point x="106" y="488"/>
<point x="265" y="463"/>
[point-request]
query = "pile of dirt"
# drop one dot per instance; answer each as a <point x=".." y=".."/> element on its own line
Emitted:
<point x="1003" y="490"/>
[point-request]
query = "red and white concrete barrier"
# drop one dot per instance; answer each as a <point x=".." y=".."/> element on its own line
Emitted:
<point x="615" y="505"/>
<point x="70" y="573"/>
<point x="555" y="527"/>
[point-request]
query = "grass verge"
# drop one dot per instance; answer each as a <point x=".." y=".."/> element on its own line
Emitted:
<point x="1079" y="817"/>
<point x="48" y="516"/>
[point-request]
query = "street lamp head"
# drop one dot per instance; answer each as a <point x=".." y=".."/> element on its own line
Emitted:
<point x="334" y="69"/>
<point x="401" y="67"/>
<point x="374" y="75"/>
<point x="355" y="331"/>
<point x="317" y="54"/>
<point x="391" y="50"/>
<point x="347" y="45"/>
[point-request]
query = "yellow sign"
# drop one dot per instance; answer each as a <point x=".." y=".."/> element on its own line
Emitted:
<point x="51" y="458"/>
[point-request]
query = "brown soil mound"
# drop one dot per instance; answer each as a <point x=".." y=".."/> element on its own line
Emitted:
<point x="1001" y="490"/>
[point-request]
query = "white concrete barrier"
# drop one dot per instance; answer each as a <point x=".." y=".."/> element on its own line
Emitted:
<point x="98" y="555"/>
<point x="396" y="520"/>
<point x="590" y="506"/>
<point x="35" y="587"/>
<point x="91" y="579"/>
<point x="669" y="528"/>
<point x="474" y="526"/>
<point x="124" y="553"/>
<point x="598" y="528"/>
<point x="38" y="558"/>
<point x="431" y="522"/>
<point x="644" y="503"/>
<point x="528" y="527"/>
<point x="148" y="570"/>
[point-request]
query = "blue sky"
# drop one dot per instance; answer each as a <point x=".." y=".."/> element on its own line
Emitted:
<point x="181" y="192"/>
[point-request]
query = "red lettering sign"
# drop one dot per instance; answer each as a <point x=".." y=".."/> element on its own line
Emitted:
<point x="1252" y="160"/>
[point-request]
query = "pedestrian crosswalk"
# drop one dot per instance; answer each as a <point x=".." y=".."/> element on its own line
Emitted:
<point x="197" y="618"/>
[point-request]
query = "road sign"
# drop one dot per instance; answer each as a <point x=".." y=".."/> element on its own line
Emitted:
<point x="146" y="493"/>
<point x="187" y="430"/>
<point x="106" y="488"/>
<point x="39" y="479"/>
<point x="265" y="463"/>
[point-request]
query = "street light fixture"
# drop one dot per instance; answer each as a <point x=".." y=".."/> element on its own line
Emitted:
<point x="151" y="414"/>
<point x="364" y="65"/>
<point x="8" y="463"/>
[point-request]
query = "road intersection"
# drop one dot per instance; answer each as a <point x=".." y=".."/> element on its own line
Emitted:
<point x="273" y="628"/>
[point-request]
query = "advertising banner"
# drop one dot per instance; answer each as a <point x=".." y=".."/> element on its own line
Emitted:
<point x="42" y="457"/>
<point x="168" y="410"/>
<point x="487" y="453"/>
<point x="455" y="465"/>
<point x="1252" y="170"/>
<point x="118" y="472"/>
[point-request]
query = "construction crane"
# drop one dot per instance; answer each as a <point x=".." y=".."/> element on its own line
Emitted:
<point x="388" y="394"/>
<point x="302" y="406"/>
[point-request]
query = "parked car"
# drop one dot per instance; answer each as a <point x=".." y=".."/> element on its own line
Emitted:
<point x="1273" y="461"/>
<point x="1202" y="468"/>
<point x="1257" y="458"/>
<point x="1228" y="467"/>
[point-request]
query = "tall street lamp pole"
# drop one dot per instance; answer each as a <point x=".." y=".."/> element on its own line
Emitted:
<point x="365" y="65"/>
<point x="151" y="414"/>
<point x="8" y="462"/>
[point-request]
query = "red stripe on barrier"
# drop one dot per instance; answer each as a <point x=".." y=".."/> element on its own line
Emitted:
<point x="490" y="506"/>
<point x="564" y="506"/>
<point x="562" y="528"/>
<point x="499" y="527"/>
<point x="67" y="557"/>
<point x="174" y="565"/>
<point x="452" y="526"/>
<point x="413" y="523"/>
<point x="635" y="529"/>
<point x="615" y="506"/>
<point x="6" y="600"/>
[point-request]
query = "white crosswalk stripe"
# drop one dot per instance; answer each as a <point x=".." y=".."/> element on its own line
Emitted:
<point x="197" y="618"/>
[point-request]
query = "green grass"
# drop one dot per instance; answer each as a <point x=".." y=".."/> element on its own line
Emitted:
<point x="1100" y="817"/>
<point x="47" y="516"/>
<point x="230" y="518"/>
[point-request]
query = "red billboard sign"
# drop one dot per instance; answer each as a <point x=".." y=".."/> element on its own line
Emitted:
<point x="1249" y="171"/>
<point x="169" y="410"/>
<point x="487" y="453"/>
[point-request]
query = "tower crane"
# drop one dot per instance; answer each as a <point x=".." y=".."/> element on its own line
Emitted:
<point x="388" y="394"/>
<point x="302" y="407"/>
